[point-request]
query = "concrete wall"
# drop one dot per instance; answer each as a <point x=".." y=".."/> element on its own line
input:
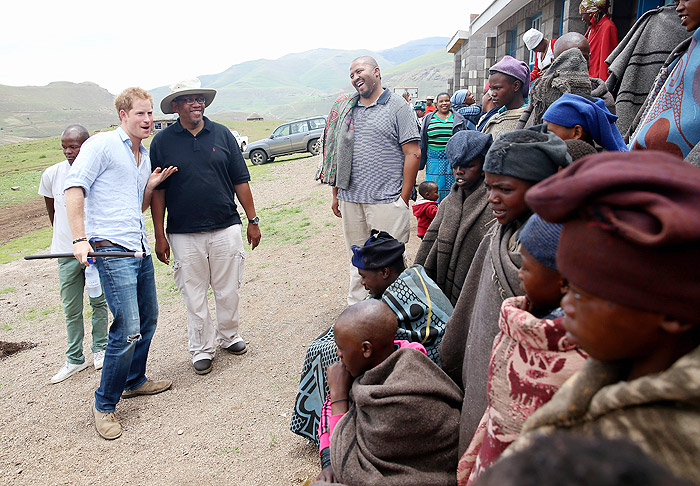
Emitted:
<point x="471" y="63"/>
<point x="521" y="20"/>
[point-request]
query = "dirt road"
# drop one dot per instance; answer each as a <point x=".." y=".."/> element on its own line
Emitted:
<point x="228" y="427"/>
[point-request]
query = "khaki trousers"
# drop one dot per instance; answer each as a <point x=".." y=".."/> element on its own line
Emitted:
<point x="359" y="220"/>
<point x="200" y="260"/>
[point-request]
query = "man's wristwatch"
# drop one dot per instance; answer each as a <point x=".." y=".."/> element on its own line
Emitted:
<point x="255" y="220"/>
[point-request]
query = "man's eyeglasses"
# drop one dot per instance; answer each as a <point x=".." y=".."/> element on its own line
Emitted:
<point x="190" y="101"/>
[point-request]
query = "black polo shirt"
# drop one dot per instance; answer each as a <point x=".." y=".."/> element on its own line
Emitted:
<point x="199" y="196"/>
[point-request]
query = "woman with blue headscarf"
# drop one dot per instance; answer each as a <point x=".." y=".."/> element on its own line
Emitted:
<point x="576" y="117"/>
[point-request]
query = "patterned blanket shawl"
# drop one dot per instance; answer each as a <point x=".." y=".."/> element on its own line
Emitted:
<point x="530" y="360"/>
<point x="338" y="140"/>
<point x="636" y="60"/>
<point x="400" y="428"/>
<point x="669" y="121"/>
<point x="453" y="237"/>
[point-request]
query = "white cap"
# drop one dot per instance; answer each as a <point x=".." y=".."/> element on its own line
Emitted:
<point x="532" y="38"/>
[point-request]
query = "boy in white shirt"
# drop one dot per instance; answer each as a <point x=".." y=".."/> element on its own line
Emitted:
<point x="71" y="274"/>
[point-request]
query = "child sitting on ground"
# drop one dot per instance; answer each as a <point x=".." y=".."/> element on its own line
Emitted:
<point x="531" y="357"/>
<point x="390" y="398"/>
<point x="425" y="208"/>
<point x="630" y="250"/>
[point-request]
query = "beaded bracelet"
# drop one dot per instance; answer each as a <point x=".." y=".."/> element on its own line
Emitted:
<point x="78" y="240"/>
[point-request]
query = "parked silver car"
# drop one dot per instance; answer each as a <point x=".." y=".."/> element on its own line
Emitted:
<point x="291" y="138"/>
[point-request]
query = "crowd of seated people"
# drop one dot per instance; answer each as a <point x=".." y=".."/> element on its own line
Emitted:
<point x="548" y="331"/>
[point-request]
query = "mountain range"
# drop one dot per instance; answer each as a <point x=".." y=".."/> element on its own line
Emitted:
<point x="293" y="86"/>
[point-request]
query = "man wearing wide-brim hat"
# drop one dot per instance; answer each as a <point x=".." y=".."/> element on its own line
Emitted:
<point x="429" y="106"/>
<point x="203" y="227"/>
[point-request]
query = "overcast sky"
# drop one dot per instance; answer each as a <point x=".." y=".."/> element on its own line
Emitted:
<point x="124" y="43"/>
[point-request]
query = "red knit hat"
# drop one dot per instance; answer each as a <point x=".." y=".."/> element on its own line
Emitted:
<point x="631" y="229"/>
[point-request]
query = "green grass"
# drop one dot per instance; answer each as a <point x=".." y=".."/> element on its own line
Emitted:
<point x="254" y="130"/>
<point x="289" y="223"/>
<point x="25" y="245"/>
<point x="7" y="290"/>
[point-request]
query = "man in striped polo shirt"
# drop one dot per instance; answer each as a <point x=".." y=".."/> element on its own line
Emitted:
<point x="385" y="159"/>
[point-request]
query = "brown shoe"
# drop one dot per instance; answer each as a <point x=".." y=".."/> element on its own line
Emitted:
<point x="107" y="424"/>
<point x="149" y="388"/>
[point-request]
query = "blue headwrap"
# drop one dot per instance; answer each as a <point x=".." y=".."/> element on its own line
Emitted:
<point x="594" y="118"/>
<point x="541" y="240"/>
<point x="458" y="98"/>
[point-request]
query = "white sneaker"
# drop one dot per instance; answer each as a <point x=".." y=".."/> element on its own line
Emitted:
<point x="98" y="359"/>
<point x="68" y="370"/>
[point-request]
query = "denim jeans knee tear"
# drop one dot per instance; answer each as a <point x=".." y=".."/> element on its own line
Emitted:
<point x="133" y="338"/>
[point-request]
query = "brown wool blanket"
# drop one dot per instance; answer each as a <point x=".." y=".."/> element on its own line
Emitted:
<point x="567" y="74"/>
<point x="659" y="412"/>
<point x="453" y="237"/>
<point x="401" y="427"/>
<point x="466" y="346"/>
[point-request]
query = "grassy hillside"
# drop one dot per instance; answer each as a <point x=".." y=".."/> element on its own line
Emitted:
<point x="428" y="72"/>
<point x="293" y="86"/>
<point x="40" y="111"/>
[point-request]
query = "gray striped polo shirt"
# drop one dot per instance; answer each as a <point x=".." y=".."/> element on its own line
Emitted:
<point x="377" y="159"/>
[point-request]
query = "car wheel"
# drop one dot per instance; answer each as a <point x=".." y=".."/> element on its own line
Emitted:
<point x="243" y="146"/>
<point x="314" y="146"/>
<point x="258" y="157"/>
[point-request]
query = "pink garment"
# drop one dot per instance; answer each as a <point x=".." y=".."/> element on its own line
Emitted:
<point x="329" y="421"/>
<point x="530" y="360"/>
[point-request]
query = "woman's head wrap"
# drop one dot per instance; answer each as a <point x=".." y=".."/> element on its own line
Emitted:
<point x="595" y="7"/>
<point x="379" y="251"/>
<point x="458" y="98"/>
<point x="593" y="116"/>
<point x="631" y="229"/>
<point x="465" y="145"/>
<point x="541" y="239"/>
<point x="532" y="154"/>
<point x="513" y="67"/>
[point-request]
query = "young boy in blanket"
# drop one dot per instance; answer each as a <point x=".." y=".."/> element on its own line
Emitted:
<point x="384" y="396"/>
<point x="531" y="357"/>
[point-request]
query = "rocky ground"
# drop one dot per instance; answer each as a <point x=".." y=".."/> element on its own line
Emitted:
<point x="230" y="426"/>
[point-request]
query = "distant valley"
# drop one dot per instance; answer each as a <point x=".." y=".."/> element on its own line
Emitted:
<point x="293" y="86"/>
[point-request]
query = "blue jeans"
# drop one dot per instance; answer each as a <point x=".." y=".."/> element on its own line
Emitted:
<point x="130" y="289"/>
